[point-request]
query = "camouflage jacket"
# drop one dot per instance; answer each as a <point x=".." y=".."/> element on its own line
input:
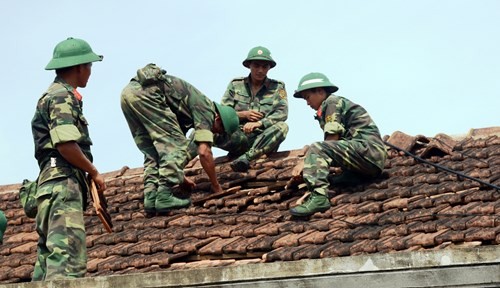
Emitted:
<point x="339" y="115"/>
<point x="270" y="100"/>
<point x="192" y="108"/>
<point x="58" y="119"/>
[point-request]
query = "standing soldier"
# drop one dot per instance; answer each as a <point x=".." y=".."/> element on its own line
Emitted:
<point x="351" y="141"/>
<point x="62" y="149"/>
<point x="262" y="108"/>
<point x="160" y="109"/>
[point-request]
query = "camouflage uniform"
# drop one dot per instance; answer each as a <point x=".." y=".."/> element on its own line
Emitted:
<point x="62" y="189"/>
<point x="3" y="225"/>
<point x="359" y="150"/>
<point x="159" y="113"/>
<point x="272" y="102"/>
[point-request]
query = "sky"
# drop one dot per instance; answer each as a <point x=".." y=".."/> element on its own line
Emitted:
<point x="422" y="67"/>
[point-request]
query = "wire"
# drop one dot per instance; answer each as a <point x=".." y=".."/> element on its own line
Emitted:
<point x="463" y="154"/>
<point x="442" y="167"/>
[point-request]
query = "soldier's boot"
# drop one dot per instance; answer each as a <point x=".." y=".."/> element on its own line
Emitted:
<point x="166" y="201"/>
<point x="149" y="203"/>
<point x="315" y="203"/>
<point x="233" y="155"/>
<point x="241" y="164"/>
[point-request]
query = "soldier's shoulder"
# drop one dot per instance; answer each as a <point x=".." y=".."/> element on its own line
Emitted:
<point x="171" y="77"/>
<point x="278" y="83"/>
<point x="333" y="99"/>
<point x="58" y="90"/>
<point x="55" y="91"/>
<point x="238" y="80"/>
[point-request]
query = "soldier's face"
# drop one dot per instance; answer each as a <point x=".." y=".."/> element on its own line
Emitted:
<point x="218" y="127"/>
<point x="85" y="71"/>
<point x="314" y="97"/>
<point x="258" y="69"/>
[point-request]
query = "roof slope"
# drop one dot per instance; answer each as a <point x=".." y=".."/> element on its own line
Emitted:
<point x="412" y="206"/>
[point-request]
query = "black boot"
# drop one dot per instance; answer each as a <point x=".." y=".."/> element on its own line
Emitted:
<point x="241" y="164"/>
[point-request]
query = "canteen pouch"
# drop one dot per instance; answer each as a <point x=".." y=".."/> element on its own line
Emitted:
<point x="27" y="194"/>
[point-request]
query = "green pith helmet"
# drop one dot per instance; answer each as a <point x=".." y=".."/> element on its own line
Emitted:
<point x="72" y="52"/>
<point x="3" y="225"/>
<point x="314" y="80"/>
<point x="229" y="118"/>
<point x="259" y="53"/>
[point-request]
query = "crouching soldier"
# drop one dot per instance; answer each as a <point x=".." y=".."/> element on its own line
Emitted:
<point x="351" y="141"/>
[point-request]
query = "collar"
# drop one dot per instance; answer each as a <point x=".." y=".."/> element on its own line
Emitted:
<point x="68" y="87"/>
<point x="265" y="82"/>
<point x="322" y="107"/>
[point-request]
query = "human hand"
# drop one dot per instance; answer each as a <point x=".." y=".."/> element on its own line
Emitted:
<point x="250" y="126"/>
<point x="253" y="116"/>
<point x="217" y="188"/>
<point x="187" y="184"/>
<point x="99" y="182"/>
<point x="297" y="178"/>
<point x="298" y="169"/>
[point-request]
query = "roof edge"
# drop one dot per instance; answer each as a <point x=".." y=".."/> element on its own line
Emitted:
<point x="468" y="258"/>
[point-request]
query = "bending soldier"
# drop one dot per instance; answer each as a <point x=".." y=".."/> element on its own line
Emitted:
<point x="160" y="109"/>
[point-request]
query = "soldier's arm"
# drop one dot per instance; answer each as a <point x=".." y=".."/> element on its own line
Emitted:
<point x="243" y="115"/>
<point x="228" y="97"/>
<point x="208" y="164"/>
<point x="64" y="134"/>
<point x="74" y="155"/>
<point x="333" y="128"/>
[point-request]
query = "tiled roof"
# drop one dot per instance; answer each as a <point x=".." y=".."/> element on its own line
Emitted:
<point x="412" y="206"/>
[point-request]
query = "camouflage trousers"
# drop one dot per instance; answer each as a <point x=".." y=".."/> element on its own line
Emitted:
<point x="158" y="136"/>
<point x="349" y="155"/>
<point x="254" y="144"/>
<point x="61" y="249"/>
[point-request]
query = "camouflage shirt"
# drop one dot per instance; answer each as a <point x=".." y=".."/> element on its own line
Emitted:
<point x="270" y="100"/>
<point x="58" y="119"/>
<point x="339" y="115"/>
<point x="192" y="108"/>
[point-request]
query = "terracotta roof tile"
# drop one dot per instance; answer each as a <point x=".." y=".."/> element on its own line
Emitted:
<point x="190" y="245"/>
<point x="239" y="246"/>
<point x="337" y="249"/>
<point x="481" y="234"/>
<point x="216" y="247"/>
<point x="316" y="237"/>
<point x="22" y="272"/>
<point x="293" y="253"/>
<point x="137" y="248"/>
<point x="164" y="245"/>
<point x="290" y="240"/>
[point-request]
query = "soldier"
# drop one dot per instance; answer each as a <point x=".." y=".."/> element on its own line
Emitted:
<point x="160" y="109"/>
<point x="262" y="108"/>
<point x="351" y="141"/>
<point x="62" y="149"/>
<point x="3" y="225"/>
